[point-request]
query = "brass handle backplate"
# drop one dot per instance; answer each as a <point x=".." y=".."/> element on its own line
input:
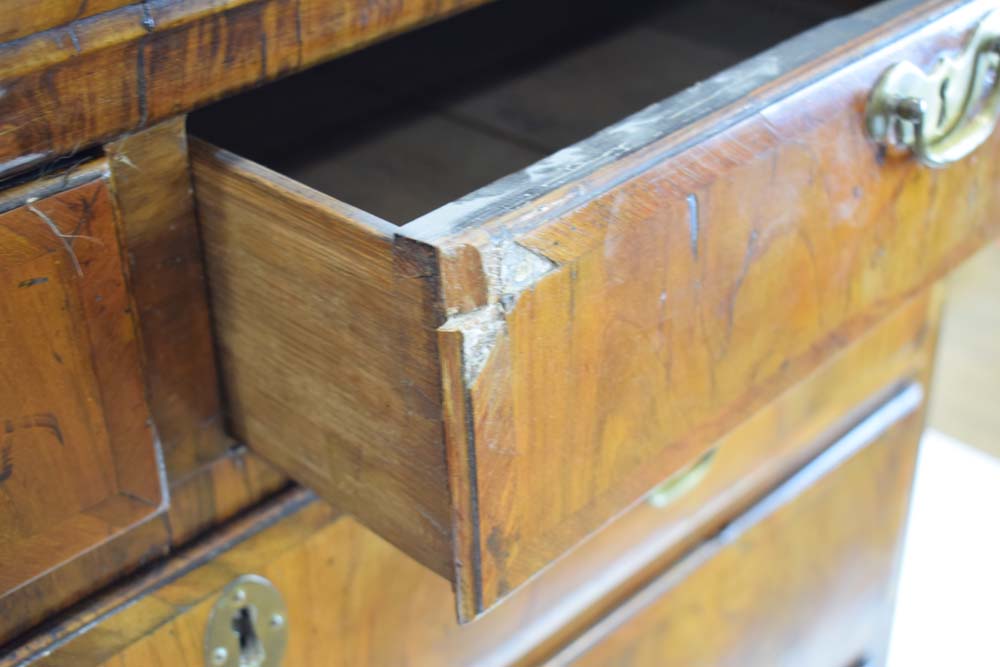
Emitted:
<point x="945" y="114"/>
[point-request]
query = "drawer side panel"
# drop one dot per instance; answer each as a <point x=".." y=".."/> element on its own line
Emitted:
<point x="327" y="350"/>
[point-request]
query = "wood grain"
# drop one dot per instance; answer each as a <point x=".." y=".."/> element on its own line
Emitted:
<point x="210" y="477"/>
<point x="208" y="500"/>
<point x="343" y="301"/>
<point x="599" y="319"/>
<point x="354" y="599"/>
<point x="152" y="185"/>
<point x="216" y="492"/>
<point x="649" y="306"/>
<point x="98" y="77"/>
<point x="98" y="628"/>
<point x="79" y="464"/>
<point x="806" y="577"/>
<point x="19" y="19"/>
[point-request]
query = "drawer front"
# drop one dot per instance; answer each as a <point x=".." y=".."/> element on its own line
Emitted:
<point x="491" y="383"/>
<point x="353" y="599"/>
<point x="672" y="293"/>
<point x="78" y="457"/>
<point x="806" y="577"/>
<point x="399" y="612"/>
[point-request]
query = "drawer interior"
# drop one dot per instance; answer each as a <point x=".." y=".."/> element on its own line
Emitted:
<point x="409" y="125"/>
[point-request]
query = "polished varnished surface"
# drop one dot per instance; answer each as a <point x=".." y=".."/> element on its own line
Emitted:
<point x="633" y="310"/>
<point x="404" y="612"/>
<point x="211" y="477"/>
<point x="78" y="455"/>
<point x="20" y="19"/>
<point x="804" y="578"/>
<point x="131" y="214"/>
<point x="152" y="185"/>
<point x="98" y="76"/>
<point x="353" y="599"/>
<point x="494" y="387"/>
<point x="675" y="259"/>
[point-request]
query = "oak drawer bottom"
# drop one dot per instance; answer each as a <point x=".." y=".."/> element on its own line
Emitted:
<point x="806" y="577"/>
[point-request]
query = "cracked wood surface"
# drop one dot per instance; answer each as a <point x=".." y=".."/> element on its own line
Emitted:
<point x="104" y="74"/>
<point x="80" y="478"/>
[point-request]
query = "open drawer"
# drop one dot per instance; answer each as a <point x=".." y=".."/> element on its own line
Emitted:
<point x="492" y="381"/>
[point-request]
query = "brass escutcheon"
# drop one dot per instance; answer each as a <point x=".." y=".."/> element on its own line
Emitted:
<point x="248" y="626"/>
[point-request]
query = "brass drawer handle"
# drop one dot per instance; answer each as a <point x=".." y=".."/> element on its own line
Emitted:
<point x="682" y="482"/>
<point x="944" y="115"/>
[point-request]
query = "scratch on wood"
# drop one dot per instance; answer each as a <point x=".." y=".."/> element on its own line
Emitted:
<point x="31" y="282"/>
<point x="431" y="520"/>
<point x="693" y="223"/>
<point x="64" y="239"/>
<point x="74" y="38"/>
<point x="148" y="22"/>
<point x="6" y="464"/>
<point x="45" y="420"/>
<point x="748" y="257"/>
<point x="140" y="84"/>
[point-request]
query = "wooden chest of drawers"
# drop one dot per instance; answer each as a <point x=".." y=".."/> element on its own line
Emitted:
<point x="606" y="331"/>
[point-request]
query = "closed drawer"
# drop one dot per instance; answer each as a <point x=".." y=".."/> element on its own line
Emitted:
<point x="806" y="577"/>
<point x="354" y="599"/>
<point x="79" y="465"/>
<point x="492" y="381"/>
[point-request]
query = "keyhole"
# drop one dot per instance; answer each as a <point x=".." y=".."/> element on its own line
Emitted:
<point x="252" y="652"/>
<point x="943" y="94"/>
